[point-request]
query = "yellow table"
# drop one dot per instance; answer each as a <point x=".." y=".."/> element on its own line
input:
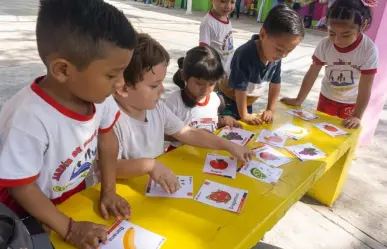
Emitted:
<point x="189" y="224"/>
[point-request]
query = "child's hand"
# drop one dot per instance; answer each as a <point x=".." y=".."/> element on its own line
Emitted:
<point x="162" y="175"/>
<point x="291" y="101"/>
<point x="230" y="122"/>
<point x="241" y="153"/>
<point x="352" y="123"/>
<point x="86" y="235"/>
<point x="268" y="116"/>
<point x="252" y="120"/>
<point x="113" y="204"/>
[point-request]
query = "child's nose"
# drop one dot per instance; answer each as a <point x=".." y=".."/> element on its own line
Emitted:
<point x="119" y="83"/>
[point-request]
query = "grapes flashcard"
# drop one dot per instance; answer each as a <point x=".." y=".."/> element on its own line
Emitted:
<point x="330" y="129"/>
<point x="292" y="131"/>
<point x="306" y="152"/>
<point x="126" y="235"/>
<point x="302" y="114"/>
<point x="221" y="196"/>
<point x="236" y="135"/>
<point x="186" y="189"/>
<point x="272" y="138"/>
<point x="220" y="165"/>
<point x="261" y="172"/>
<point x="271" y="156"/>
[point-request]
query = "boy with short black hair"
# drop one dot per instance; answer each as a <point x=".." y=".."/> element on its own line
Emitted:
<point x="51" y="130"/>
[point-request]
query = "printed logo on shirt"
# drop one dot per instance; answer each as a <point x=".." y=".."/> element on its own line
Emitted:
<point x="205" y="124"/>
<point x="341" y="77"/>
<point x="228" y="43"/>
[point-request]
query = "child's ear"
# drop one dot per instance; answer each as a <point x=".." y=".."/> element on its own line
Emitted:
<point x="262" y="33"/>
<point x="61" y="69"/>
<point x="123" y="91"/>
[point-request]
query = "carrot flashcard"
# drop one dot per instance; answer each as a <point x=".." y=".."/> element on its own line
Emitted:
<point x="302" y="114"/>
<point x="236" y="135"/>
<point x="292" y="131"/>
<point x="126" y="235"/>
<point x="221" y="196"/>
<point x="271" y="156"/>
<point x="272" y="138"/>
<point x="220" y="165"/>
<point x="186" y="191"/>
<point x="261" y="172"/>
<point x="306" y="152"/>
<point x="330" y="129"/>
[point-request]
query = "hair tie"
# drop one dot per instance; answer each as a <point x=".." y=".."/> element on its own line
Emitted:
<point x="370" y="3"/>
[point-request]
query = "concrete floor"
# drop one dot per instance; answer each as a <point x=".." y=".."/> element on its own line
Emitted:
<point x="357" y="220"/>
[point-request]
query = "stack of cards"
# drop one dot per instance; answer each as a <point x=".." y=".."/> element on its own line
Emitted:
<point x="270" y="156"/>
<point x="330" y="129"/>
<point x="221" y="196"/>
<point x="261" y="172"/>
<point x="186" y="190"/>
<point x="125" y="235"/>
<point x="302" y="114"/>
<point x="220" y="165"/>
<point x="236" y="135"/>
<point x="306" y="152"/>
<point x="292" y="131"/>
<point x="272" y="138"/>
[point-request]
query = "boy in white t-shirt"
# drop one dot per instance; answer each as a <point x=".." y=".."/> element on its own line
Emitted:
<point x="216" y="31"/>
<point x="51" y="130"/>
<point x="145" y="119"/>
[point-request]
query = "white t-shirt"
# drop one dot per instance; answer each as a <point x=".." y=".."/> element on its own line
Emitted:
<point x="344" y="66"/>
<point x="42" y="141"/>
<point x="145" y="139"/>
<point x="218" y="34"/>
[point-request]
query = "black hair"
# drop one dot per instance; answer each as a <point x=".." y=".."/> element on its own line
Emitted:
<point x="202" y="62"/>
<point x="283" y="20"/>
<point x="351" y="10"/>
<point x="80" y="30"/>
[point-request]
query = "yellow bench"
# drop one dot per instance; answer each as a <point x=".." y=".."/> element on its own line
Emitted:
<point x="188" y="224"/>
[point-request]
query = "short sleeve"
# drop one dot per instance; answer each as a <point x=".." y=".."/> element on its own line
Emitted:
<point x="172" y="124"/>
<point x="117" y="131"/>
<point x="277" y="74"/>
<point x="239" y="77"/>
<point x="111" y="113"/>
<point x="205" y="34"/>
<point x="172" y="103"/>
<point x="21" y="158"/>
<point x="320" y="52"/>
<point x="370" y="65"/>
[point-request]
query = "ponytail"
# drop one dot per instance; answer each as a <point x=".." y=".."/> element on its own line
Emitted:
<point x="177" y="79"/>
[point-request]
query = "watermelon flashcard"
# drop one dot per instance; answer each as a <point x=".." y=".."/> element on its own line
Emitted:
<point x="236" y="135"/>
<point x="126" y="235"/>
<point x="186" y="189"/>
<point x="302" y="114"/>
<point x="272" y="138"/>
<point x="220" y="165"/>
<point x="292" y="131"/>
<point x="330" y="129"/>
<point x="306" y="152"/>
<point x="271" y="156"/>
<point x="261" y="172"/>
<point x="221" y="196"/>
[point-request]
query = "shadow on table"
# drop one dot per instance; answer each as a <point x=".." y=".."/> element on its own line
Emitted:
<point x="262" y="245"/>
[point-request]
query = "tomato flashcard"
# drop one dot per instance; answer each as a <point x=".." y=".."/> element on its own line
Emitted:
<point x="330" y="129"/>
<point x="220" y="165"/>
<point x="221" y="196"/>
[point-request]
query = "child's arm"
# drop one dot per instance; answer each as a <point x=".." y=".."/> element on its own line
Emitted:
<point x="241" y="101"/>
<point x="225" y="120"/>
<point x="274" y="91"/>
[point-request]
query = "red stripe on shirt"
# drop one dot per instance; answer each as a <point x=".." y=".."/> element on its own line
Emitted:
<point x="105" y="130"/>
<point x="317" y="61"/>
<point x="7" y="183"/>
<point x="203" y="44"/>
<point x="369" y="71"/>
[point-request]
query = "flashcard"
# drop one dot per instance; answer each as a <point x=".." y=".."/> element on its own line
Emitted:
<point x="220" y="165"/>
<point x="261" y="171"/>
<point x="221" y="196"/>
<point x="302" y="114"/>
<point x="126" y="235"/>
<point x="272" y="138"/>
<point x="236" y="135"/>
<point x="186" y="191"/>
<point x="292" y="131"/>
<point x="330" y="129"/>
<point x="306" y="152"/>
<point x="271" y="156"/>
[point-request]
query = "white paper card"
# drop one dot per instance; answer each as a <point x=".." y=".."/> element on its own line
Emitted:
<point x="272" y="138"/>
<point x="186" y="190"/>
<point x="306" y="152"/>
<point x="305" y="115"/>
<point x="271" y="156"/>
<point x="236" y="135"/>
<point x="220" y="165"/>
<point x="330" y="129"/>
<point x="292" y="131"/>
<point x="261" y="171"/>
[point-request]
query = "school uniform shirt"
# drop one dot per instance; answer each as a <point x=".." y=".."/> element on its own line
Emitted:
<point x="145" y="139"/>
<point x="344" y="66"/>
<point x="218" y="34"/>
<point x="249" y="73"/>
<point x="43" y="142"/>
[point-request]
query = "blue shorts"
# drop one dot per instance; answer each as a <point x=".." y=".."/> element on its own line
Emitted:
<point x="231" y="108"/>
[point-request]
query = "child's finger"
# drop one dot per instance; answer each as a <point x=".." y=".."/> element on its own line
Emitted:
<point x="104" y="211"/>
<point x="164" y="185"/>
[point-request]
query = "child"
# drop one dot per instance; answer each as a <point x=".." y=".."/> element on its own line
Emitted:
<point x="145" y="119"/>
<point x="49" y="130"/>
<point x="216" y="31"/>
<point x="258" y="62"/>
<point x="350" y="59"/>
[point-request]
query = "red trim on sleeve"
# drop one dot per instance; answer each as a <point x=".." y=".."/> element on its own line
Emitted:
<point x="317" y="61"/>
<point x="105" y="130"/>
<point x="203" y="44"/>
<point x="7" y="183"/>
<point x="69" y="193"/>
<point x="224" y="22"/>
<point x="369" y="71"/>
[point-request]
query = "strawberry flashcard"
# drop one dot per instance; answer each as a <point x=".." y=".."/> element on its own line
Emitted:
<point x="221" y="196"/>
<point x="271" y="156"/>
<point x="261" y="171"/>
<point x="186" y="189"/>
<point x="126" y="235"/>
<point x="302" y="114"/>
<point x="272" y="138"/>
<point x="236" y="135"/>
<point x="220" y="165"/>
<point x="330" y="129"/>
<point x="292" y="131"/>
<point x="306" y="152"/>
